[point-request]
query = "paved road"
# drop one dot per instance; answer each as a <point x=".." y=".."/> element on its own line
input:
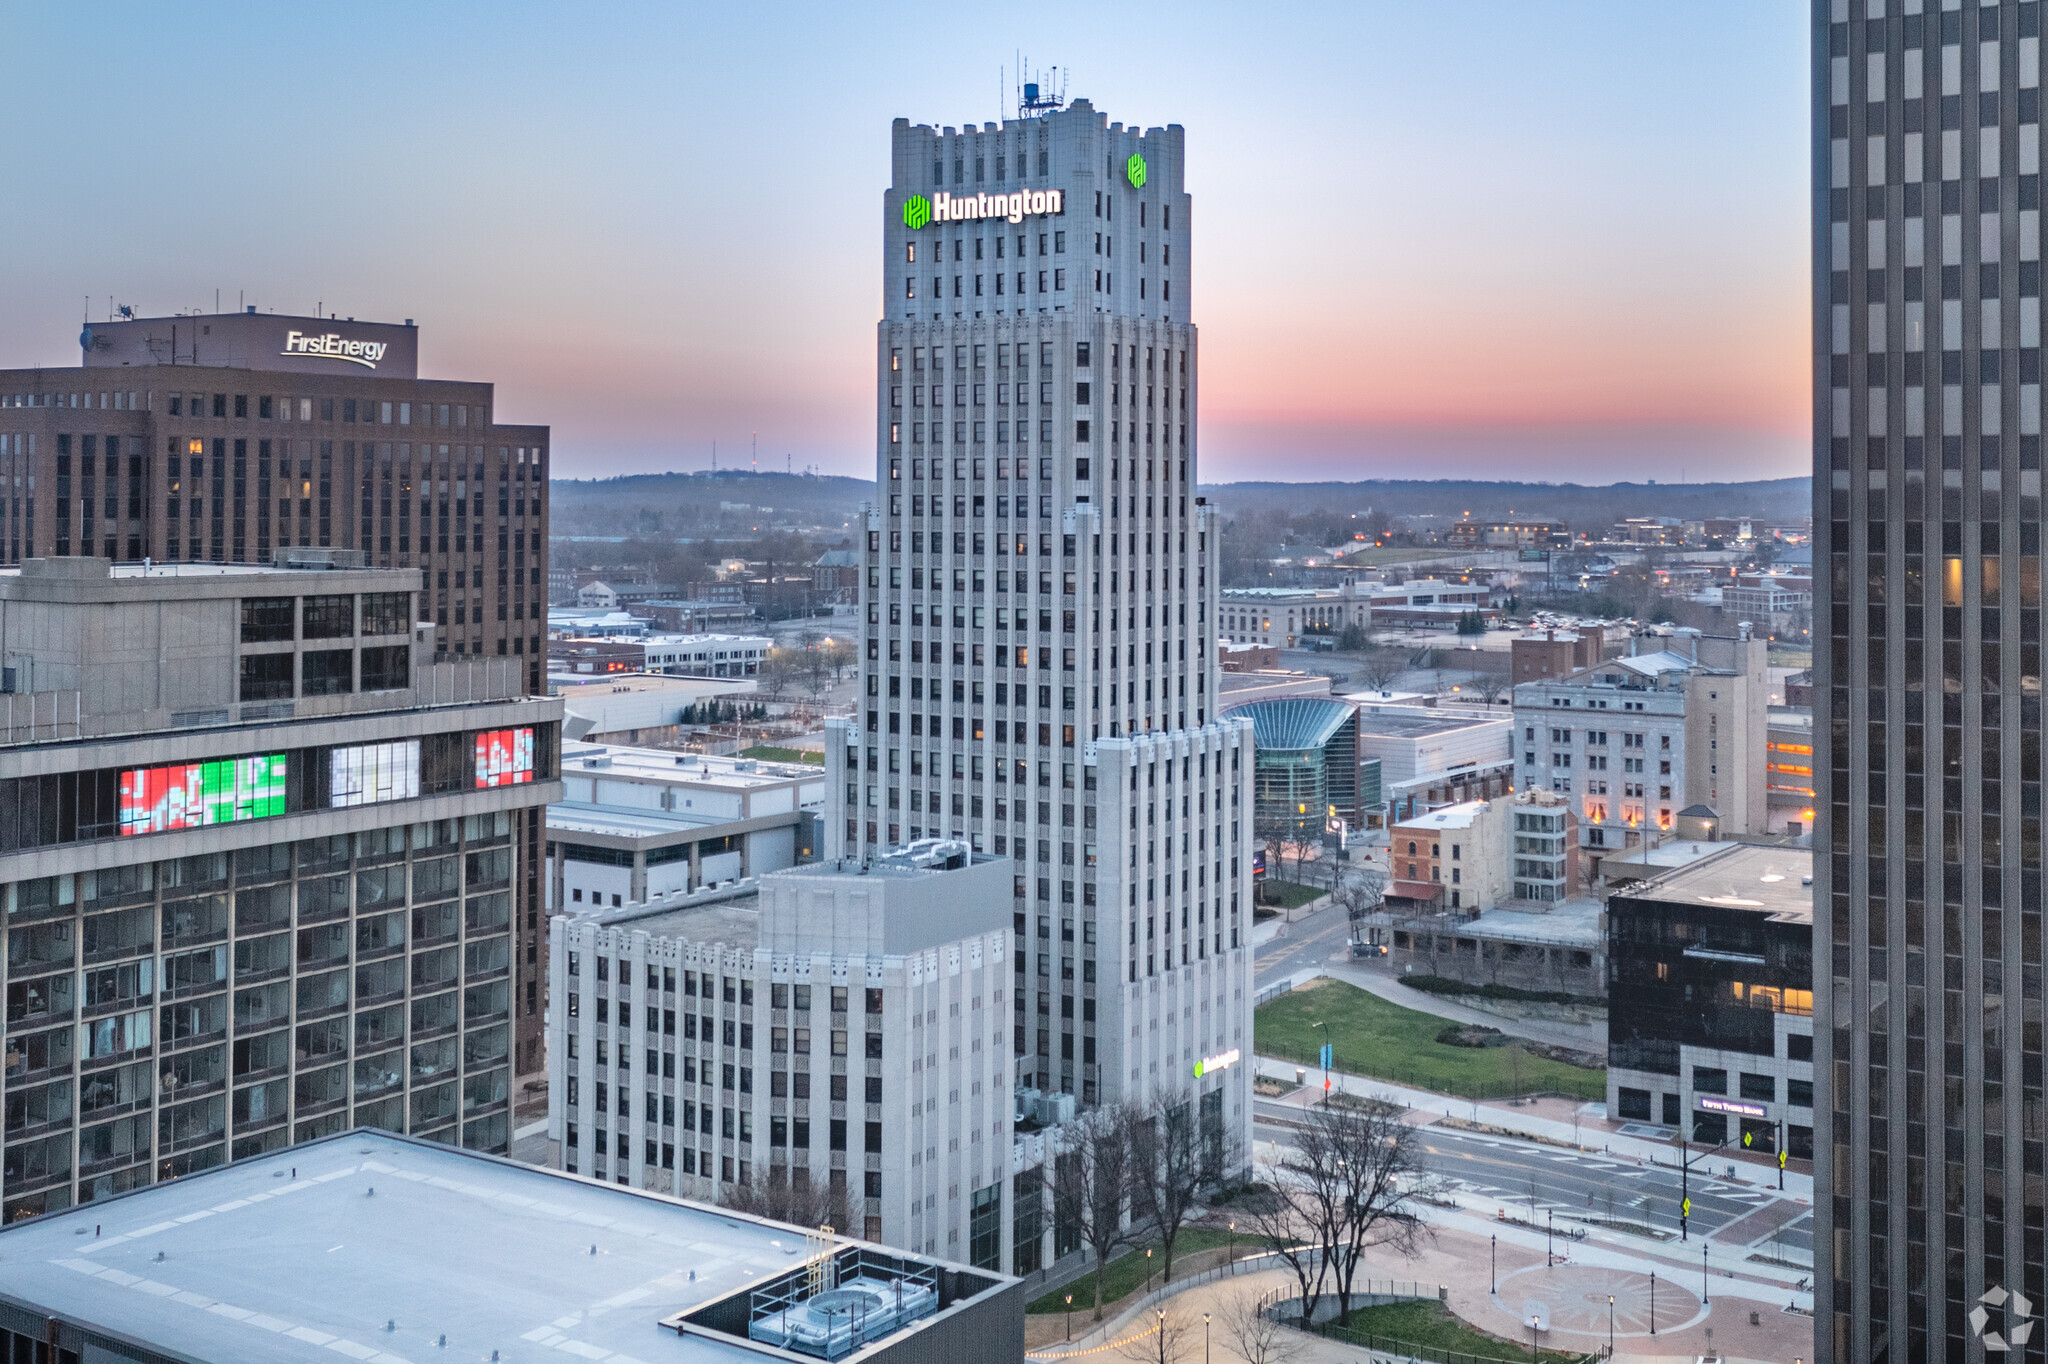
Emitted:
<point x="1311" y="942"/>
<point x="1568" y="1184"/>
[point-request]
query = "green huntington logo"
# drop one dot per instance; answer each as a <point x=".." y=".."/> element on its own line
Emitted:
<point x="917" y="211"/>
<point x="1134" y="170"/>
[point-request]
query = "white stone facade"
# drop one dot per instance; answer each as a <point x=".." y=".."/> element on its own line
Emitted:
<point x="1039" y="606"/>
<point x="824" y="1024"/>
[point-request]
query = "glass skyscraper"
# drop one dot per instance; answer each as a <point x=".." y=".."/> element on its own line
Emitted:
<point x="1927" y="503"/>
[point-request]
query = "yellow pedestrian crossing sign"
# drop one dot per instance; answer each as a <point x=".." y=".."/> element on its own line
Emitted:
<point x="1781" y="1160"/>
<point x="1685" y="1208"/>
<point x="1748" y="1138"/>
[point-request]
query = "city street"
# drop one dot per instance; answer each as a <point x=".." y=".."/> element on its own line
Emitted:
<point x="1534" y="1181"/>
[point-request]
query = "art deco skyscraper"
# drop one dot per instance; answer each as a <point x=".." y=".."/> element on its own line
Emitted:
<point x="1927" y="491"/>
<point x="1039" y="605"/>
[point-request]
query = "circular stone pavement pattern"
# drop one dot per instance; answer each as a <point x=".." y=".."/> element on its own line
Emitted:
<point x="1575" y="1299"/>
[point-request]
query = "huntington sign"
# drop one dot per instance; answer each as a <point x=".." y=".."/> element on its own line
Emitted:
<point x="948" y="208"/>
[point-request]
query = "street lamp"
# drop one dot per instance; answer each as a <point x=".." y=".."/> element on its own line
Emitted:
<point x="1653" y="1304"/>
<point x="1610" y="1326"/>
<point x="1205" y="1338"/>
<point x="1703" y="1271"/>
<point x="1533" y="1320"/>
<point x="1493" y="1266"/>
<point x="1070" y="1315"/>
<point x="1148" y="1270"/>
<point x="1549" y="1225"/>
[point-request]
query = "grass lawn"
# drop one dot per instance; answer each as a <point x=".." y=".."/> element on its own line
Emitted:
<point x="1377" y="1038"/>
<point x="1288" y="894"/>
<point x="769" y="753"/>
<point x="1429" y="1328"/>
<point x="1126" y="1273"/>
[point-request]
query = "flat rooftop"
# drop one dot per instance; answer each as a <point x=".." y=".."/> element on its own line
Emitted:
<point x="1774" y="881"/>
<point x="1567" y="923"/>
<point x="391" y="1250"/>
<point x="697" y="769"/>
<point x="1416" y="723"/>
<point x="733" y="919"/>
<point x="623" y="821"/>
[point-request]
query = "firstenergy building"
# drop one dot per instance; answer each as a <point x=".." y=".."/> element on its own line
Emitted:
<point x="217" y="441"/>
<point x="1039" y="606"/>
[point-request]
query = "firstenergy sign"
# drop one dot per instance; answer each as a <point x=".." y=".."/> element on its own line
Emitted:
<point x="334" y="346"/>
<point x="948" y="208"/>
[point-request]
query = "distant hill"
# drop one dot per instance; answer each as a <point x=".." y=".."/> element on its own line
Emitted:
<point x="1778" y="499"/>
<point x="734" y="501"/>
<point x="730" y="501"/>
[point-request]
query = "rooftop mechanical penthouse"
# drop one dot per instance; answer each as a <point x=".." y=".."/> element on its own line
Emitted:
<point x="238" y="438"/>
<point x="268" y="871"/>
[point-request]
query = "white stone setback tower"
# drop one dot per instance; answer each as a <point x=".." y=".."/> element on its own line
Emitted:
<point x="1039" y="601"/>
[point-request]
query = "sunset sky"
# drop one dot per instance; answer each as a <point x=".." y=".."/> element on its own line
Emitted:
<point x="1562" y="240"/>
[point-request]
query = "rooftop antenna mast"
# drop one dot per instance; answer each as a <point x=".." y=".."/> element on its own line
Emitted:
<point x="1043" y="92"/>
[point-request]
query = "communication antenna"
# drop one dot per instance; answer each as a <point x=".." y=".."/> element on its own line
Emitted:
<point x="1042" y="92"/>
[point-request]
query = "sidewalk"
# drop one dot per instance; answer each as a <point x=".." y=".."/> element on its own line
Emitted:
<point x="1543" y="1123"/>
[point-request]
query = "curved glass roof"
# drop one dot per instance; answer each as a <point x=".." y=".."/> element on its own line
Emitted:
<point x="1295" y="722"/>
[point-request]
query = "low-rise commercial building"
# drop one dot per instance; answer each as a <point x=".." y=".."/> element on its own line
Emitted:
<point x="1710" y="1000"/>
<point x="1633" y="741"/>
<point x="1788" y="770"/>
<point x="1432" y="757"/>
<point x="371" y="1246"/>
<point x="842" y="1026"/>
<point x="637" y="823"/>
<point x="269" y="870"/>
<point x="1556" y="653"/>
<point x="675" y="655"/>
<point x="1509" y="535"/>
<point x="1284" y="616"/>
<point x="1455" y="857"/>
<point x="1560" y="948"/>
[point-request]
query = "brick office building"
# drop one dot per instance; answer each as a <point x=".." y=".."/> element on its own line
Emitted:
<point x="238" y="437"/>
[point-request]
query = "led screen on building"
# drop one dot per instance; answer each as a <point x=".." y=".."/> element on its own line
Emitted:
<point x="370" y="773"/>
<point x="504" y="757"/>
<point x="188" y="795"/>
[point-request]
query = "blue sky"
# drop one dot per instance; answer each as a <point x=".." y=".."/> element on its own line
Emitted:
<point x="1490" y="239"/>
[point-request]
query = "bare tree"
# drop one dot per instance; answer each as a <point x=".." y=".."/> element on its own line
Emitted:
<point x="1360" y="895"/>
<point x="1378" y="668"/>
<point x="1491" y="687"/>
<point x="1378" y="1174"/>
<point x="839" y="655"/>
<point x="1092" y="1184"/>
<point x="774" y="1195"/>
<point x="1349" y="1186"/>
<point x="1172" y="1339"/>
<point x="779" y="669"/>
<point x="1282" y="1221"/>
<point x="1258" y="1336"/>
<point x="1173" y="1159"/>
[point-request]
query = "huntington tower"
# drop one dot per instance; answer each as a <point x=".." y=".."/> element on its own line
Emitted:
<point x="1039" y="627"/>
